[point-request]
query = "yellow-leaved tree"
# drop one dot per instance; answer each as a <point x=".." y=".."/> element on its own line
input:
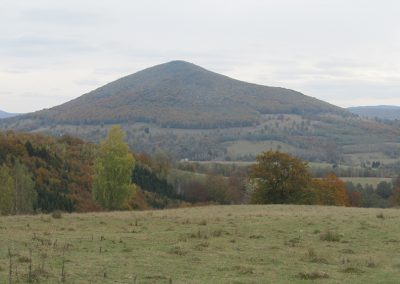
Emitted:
<point x="112" y="181"/>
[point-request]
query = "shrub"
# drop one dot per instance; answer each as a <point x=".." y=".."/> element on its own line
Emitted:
<point x="203" y="222"/>
<point x="24" y="259"/>
<point x="313" y="275"/>
<point x="352" y="269"/>
<point x="57" y="214"/>
<point x="329" y="236"/>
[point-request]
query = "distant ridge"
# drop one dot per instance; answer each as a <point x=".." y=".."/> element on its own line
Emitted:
<point x="382" y="111"/>
<point x="4" y="114"/>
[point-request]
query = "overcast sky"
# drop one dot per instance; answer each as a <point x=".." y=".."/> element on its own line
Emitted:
<point x="346" y="52"/>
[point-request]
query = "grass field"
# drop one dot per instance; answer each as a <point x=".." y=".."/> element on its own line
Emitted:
<point x="374" y="181"/>
<point x="215" y="244"/>
<point x="242" y="148"/>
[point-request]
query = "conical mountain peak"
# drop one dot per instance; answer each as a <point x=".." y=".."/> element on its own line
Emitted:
<point x="182" y="94"/>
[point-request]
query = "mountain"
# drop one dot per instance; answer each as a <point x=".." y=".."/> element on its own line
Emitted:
<point x="4" y="114"/>
<point x="183" y="95"/>
<point x="197" y="114"/>
<point x="382" y="112"/>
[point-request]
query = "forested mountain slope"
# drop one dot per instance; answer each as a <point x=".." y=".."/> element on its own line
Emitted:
<point x="183" y="95"/>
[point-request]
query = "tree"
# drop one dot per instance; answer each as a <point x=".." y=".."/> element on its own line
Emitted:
<point x="330" y="190"/>
<point x="161" y="163"/>
<point x="384" y="189"/>
<point x="217" y="188"/>
<point x="112" y="185"/>
<point x="395" y="198"/>
<point x="237" y="187"/>
<point x="194" y="191"/>
<point x="354" y="194"/>
<point x="24" y="189"/>
<point x="279" y="178"/>
<point x="7" y="196"/>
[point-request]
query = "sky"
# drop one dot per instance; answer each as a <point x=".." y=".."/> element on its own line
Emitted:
<point x="346" y="52"/>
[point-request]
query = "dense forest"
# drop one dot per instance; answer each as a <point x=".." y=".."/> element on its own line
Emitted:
<point x="59" y="167"/>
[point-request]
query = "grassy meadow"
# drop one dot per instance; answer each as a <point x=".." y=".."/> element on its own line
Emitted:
<point x="374" y="181"/>
<point x="214" y="244"/>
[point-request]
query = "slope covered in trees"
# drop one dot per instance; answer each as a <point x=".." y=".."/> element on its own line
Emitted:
<point x="183" y="95"/>
<point x="59" y="168"/>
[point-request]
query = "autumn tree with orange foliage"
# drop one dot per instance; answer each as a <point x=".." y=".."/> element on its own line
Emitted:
<point x="395" y="198"/>
<point x="355" y="198"/>
<point x="330" y="190"/>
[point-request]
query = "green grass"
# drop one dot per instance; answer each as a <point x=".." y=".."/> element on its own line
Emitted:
<point x="320" y="165"/>
<point x="215" y="244"/>
<point x="360" y="158"/>
<point x="366" y="180"/>
<point x="242" y="148"/>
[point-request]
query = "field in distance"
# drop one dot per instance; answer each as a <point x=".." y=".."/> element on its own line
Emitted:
<point x="214" y="244"/>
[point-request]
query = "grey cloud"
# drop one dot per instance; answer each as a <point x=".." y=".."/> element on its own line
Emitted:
<point x="89" y="83"/>
<point x="62" y="17"/>
<point x="13" y="71"/>
<point x="341" y="90"/>
<point x="112" y="70"/>
<point x="342" y="63"/>
<point x="33" y="45"/>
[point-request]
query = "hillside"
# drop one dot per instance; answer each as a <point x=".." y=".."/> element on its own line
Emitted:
<point x="60" y="168"/>
<point x="382" y="112"/>
<point x="197" y="114"/>
<point x="225" y="244"/>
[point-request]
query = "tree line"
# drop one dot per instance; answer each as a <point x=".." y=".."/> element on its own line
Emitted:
<point x="39" y="173"/>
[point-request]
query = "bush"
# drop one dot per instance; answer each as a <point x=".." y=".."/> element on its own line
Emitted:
<point x="312" y="275"/>
<point x="57" y="214"/>
<point x="329" y="236"/>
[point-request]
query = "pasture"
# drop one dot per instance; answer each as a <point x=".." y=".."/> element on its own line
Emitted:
<point x="213" y="244"/>
<point x="373" y="181"/>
